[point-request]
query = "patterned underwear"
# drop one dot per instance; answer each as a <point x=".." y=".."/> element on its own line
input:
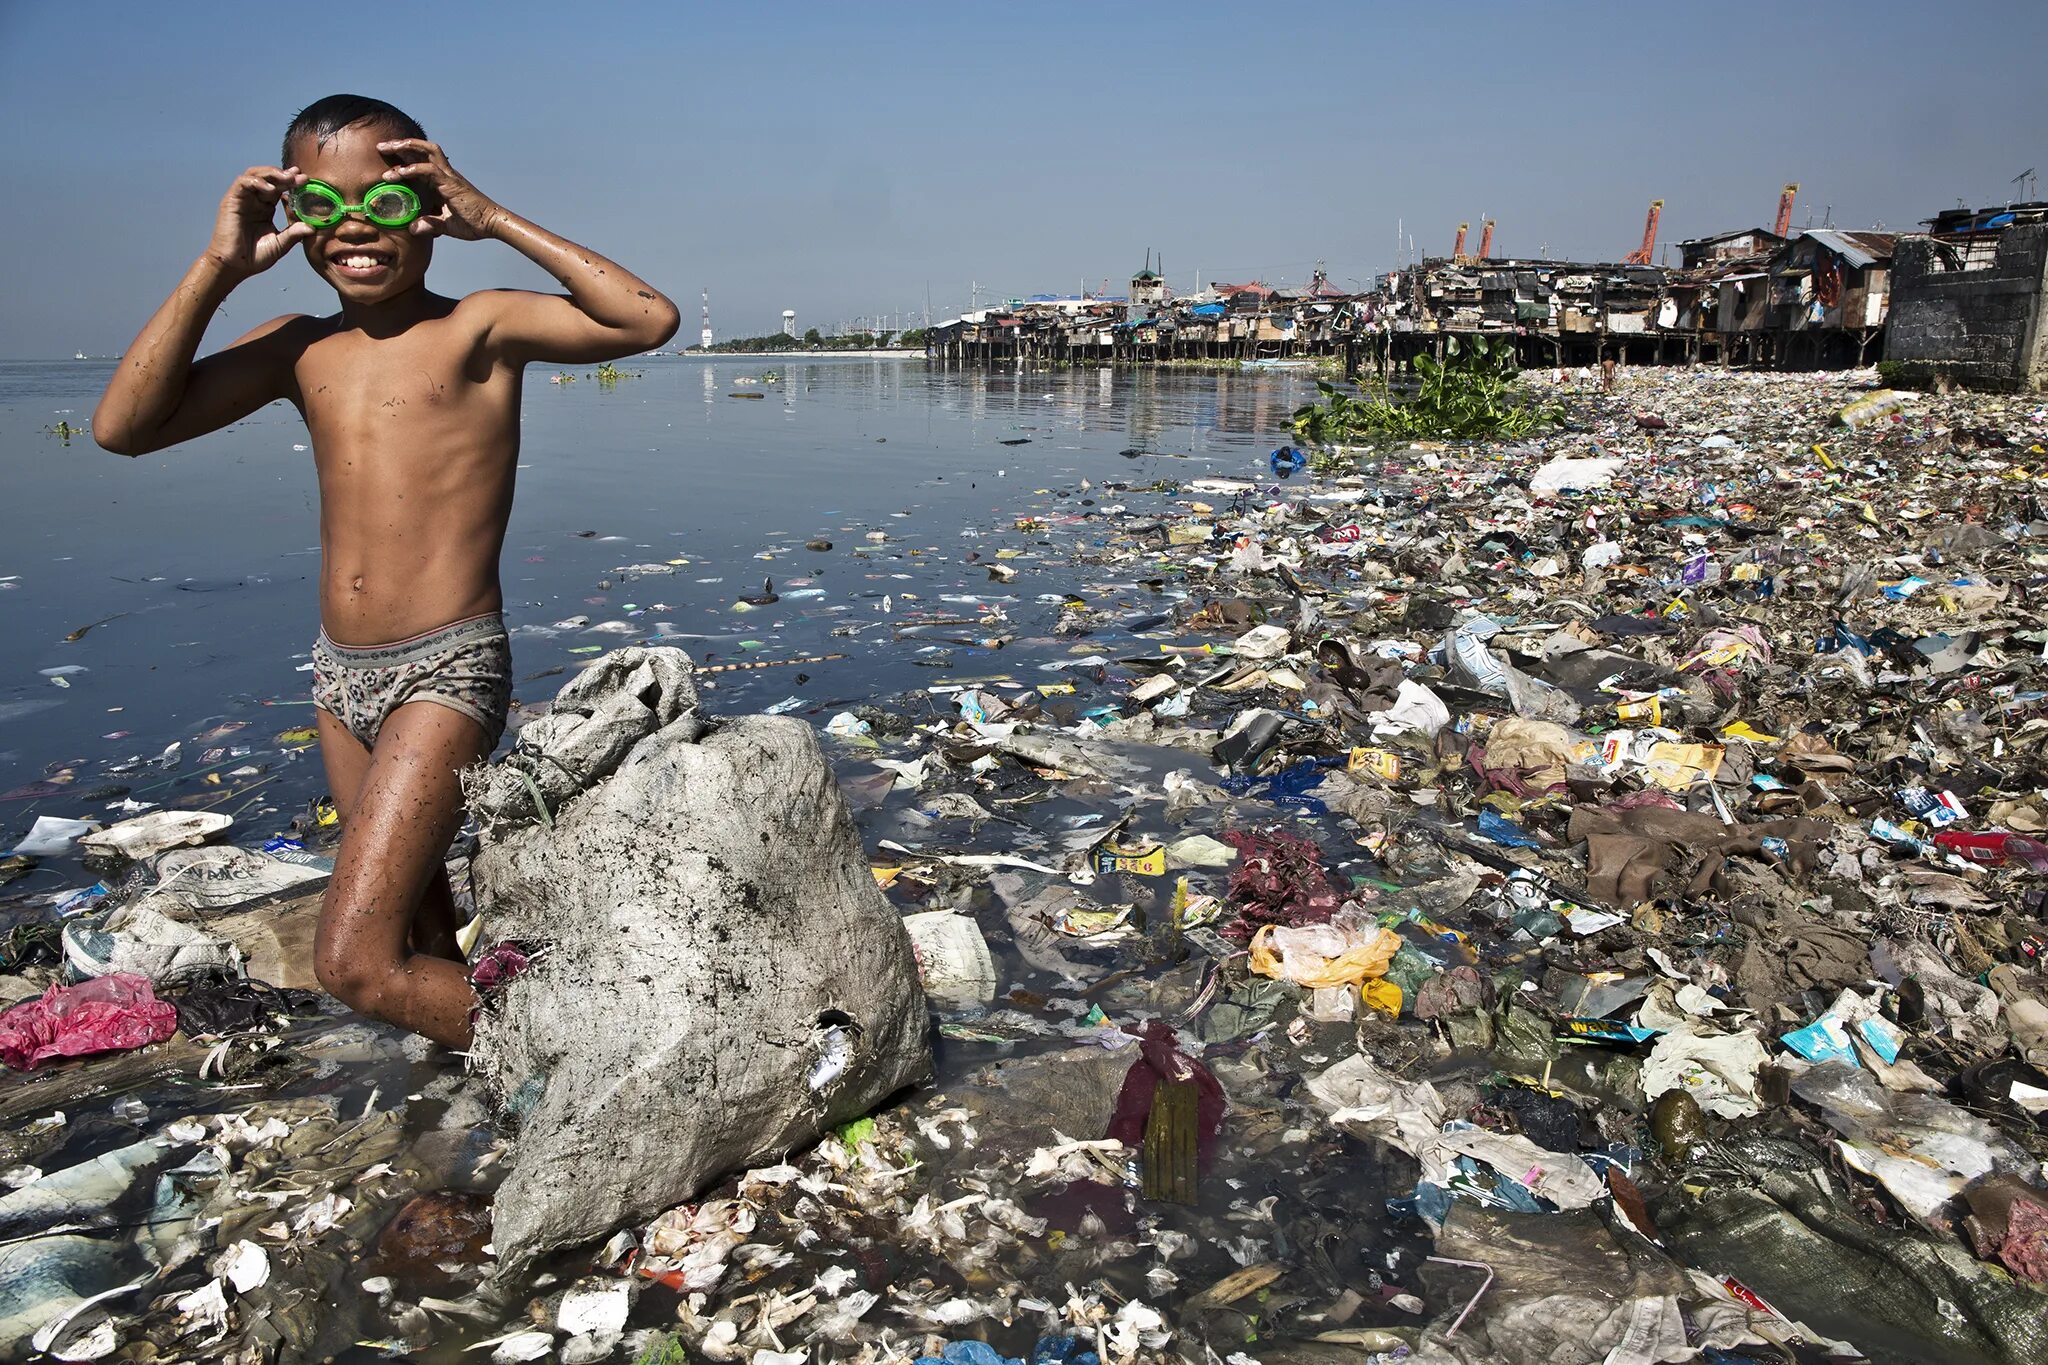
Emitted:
<point x="465" y="666"/>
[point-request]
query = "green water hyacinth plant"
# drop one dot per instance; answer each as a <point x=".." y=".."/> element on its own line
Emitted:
<point x="1471" y="394"/>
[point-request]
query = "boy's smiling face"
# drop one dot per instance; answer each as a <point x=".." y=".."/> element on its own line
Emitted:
<point x="364" y="262"/>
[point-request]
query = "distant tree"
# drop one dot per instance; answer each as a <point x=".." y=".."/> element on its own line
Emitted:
<point x="811" y="337"/>
<point x="780" y="341"/>
<point x="882" y="339"/>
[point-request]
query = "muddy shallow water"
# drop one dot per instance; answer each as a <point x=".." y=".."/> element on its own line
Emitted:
<point x="159" y="613"/>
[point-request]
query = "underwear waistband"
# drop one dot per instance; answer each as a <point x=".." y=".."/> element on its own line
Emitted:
<point x="436" y="641"/>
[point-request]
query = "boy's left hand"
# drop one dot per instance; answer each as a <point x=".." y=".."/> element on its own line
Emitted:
<point x="465" y="212"/>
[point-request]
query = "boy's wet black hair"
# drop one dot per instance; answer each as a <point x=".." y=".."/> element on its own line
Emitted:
<point x="322" y="119"/>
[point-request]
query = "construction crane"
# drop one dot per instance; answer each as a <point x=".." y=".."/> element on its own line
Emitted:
<point x="1458" y="248"/>
<point x="1785" y="211"/>
<point x="1486" y="240"/>
<point x="1641" y="255"/>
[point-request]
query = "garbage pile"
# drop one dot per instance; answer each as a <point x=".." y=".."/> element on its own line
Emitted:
<point x="707" y="972"/>
<point x="1575" y="900"/>
<point x="1571" y="900"/>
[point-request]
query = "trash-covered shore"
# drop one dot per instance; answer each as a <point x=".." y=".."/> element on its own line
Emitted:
<point x="1574" y="899"/>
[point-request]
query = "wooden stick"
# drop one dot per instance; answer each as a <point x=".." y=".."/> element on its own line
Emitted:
<point x="767" y="663"/>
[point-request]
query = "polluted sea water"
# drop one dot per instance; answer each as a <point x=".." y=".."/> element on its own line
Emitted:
<point x="1567" y="898"/>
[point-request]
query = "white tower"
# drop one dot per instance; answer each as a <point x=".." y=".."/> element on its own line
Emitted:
<point x="789" y="322"/>
<point x="704" y="337"/>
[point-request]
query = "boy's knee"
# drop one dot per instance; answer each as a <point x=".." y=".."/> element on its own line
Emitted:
<point x="352" y="978"/>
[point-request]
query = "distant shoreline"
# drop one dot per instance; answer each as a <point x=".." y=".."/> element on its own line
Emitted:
<point x="893" y="353"/>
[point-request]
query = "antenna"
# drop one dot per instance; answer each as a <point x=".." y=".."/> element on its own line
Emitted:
<point x="2026" y="183"/>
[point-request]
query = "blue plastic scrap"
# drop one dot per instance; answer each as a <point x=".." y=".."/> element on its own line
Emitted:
<point x="1061" y="1350"/>
<point x="969" y="1353"/>
<point x="1289" y="787"/>
<point x="1502" y="830"/>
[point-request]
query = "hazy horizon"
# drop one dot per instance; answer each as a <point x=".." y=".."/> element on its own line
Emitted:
<point x="841" y="161"/>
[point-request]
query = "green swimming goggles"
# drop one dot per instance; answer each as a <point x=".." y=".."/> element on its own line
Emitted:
<point x="318" y="204"/>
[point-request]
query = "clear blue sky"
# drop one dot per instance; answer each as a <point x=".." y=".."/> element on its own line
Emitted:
<point x="840" y="158"/>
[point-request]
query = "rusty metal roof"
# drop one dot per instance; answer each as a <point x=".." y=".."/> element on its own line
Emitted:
<point x="1859" y="249"/>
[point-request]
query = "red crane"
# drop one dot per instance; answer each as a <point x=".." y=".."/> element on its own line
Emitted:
<point x="1486" y="239"/>
<point x="1458" y="249"/>
<point x="1785" y="211"/>
<point x="1641" y="255"/>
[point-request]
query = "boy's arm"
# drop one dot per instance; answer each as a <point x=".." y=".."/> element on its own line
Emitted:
<point x="609" y="312"/>
<point x="158" y="396"/>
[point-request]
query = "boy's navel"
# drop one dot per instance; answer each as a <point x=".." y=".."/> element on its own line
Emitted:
<point x="357" y="584"/>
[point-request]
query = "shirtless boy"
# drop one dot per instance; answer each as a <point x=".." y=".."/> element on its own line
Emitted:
<point x="412" y="402"/>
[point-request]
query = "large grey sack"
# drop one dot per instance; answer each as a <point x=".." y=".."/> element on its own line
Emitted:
<point x="721" y="980"/>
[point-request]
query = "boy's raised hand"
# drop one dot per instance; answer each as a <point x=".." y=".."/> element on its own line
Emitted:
<point x="465" y="212"/>
<point x="246" y="238"/>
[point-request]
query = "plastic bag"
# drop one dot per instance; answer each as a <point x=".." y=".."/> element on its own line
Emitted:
<point x="1347" y="950"/>
<point x="111" y="1014"/>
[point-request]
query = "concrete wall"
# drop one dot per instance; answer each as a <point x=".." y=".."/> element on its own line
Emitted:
<point x="1984" y="328"/>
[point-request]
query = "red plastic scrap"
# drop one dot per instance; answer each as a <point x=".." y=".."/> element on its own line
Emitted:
<point x="2025" y="1252"/>
<point x="1649" y="798"/>
<point x="1160" y="1059"/>
<point x="1496" y="779"/>
<point x="498" y="964"/>
<point x="109" y="1014"/>
<point x="1994" y="848"/>
<point x="1279" y="879"/>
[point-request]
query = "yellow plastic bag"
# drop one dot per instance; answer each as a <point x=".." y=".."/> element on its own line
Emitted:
<point x="1381" y="995"/>
<point x="1318" y="955"/>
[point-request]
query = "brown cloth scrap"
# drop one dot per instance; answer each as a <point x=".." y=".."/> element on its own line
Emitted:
<point x="1627" y="851"/>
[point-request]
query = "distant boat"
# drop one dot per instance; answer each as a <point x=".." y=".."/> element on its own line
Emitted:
<point x="81" y="355"/>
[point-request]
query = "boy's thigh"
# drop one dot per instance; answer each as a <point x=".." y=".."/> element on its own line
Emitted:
<point x="410" y="801"/>
<point x="406" y="812"/>
<point x="346" y="760"/>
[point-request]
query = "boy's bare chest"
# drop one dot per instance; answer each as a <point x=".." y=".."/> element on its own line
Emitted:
<point x="349" y="383"/>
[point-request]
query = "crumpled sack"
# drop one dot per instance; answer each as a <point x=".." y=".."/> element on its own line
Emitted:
<point x="1343" y="952"/>
<point x="156" y="831"/>
<point x="111" y="1014"/>
<point x="1543" y="748"/>
<point x="1468" y="662"/>
<point x="1782" y="1224"/>
<point x="1717" y="1069"/>
<point x="715" y="976"/>
<point x="1365" y="1100"/>
<point x="1581" y="474"/>
<point x="587" y="734"/>
<point x="1415" y="708"/>
<point x="139" y="938"/>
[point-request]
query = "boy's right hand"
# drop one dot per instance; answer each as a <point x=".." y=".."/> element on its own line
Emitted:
<point x="246" y="238"/>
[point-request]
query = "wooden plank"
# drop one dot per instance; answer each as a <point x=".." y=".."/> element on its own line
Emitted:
<point x="1237" y="1284"/>
<point x="1171" y="1136"/>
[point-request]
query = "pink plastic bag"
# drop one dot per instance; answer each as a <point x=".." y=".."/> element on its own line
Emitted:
<point x="109" y="1014"/>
